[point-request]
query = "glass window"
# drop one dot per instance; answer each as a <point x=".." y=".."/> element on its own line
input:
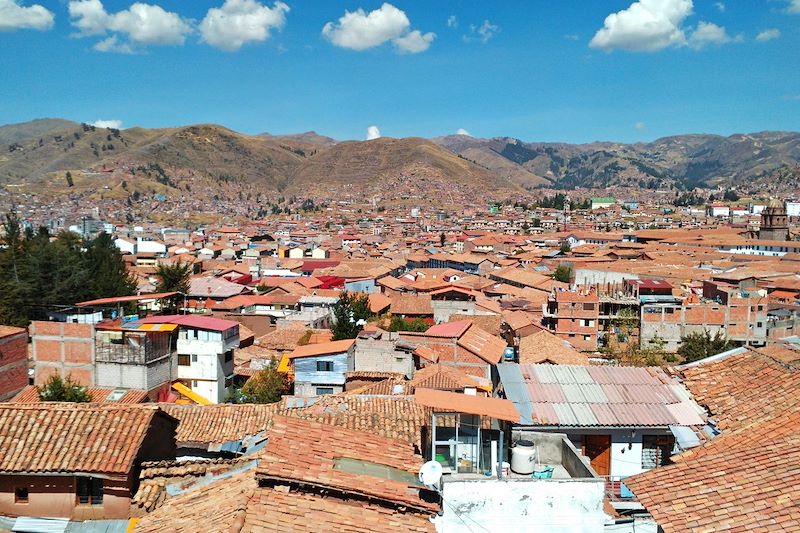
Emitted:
<point x="21" y="495"/>
<point x="229" y="356"/>
<point x="89" y="490"/>
<point x="323" y="391"/>
<point x="183" y="360"/>
<point x="324" y="366"/>
<point x="656" y="450"/>
<point x="194" y="358"/>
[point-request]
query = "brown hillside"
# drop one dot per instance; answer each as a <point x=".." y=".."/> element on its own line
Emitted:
<point x="364" y="163"/>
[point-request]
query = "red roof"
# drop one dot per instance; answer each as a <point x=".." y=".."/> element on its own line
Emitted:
<point x="449" y="329"/>
<point x="124" y="299"/>
<point x="191" y="321"/>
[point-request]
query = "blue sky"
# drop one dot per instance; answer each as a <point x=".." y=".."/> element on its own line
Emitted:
<point x="535" y="70"/>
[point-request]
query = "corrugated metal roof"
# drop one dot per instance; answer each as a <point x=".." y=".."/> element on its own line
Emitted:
<point x="599" y="396"/>
<point x="583" y="413"/>
<point x="565" y="415"/>
<point x="573" y="393"/>
<point x="544" y="373"/>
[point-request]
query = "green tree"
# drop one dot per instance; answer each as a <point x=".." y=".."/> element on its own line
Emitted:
<point x="63" y="390"/>
<point x="696" y="346"/>
<point x="442" y="239"/>
<point x="350" y="314"/>
<point x="563" y="273"/>
<point x="106" y="269"/>
<point x="565" y="247"/>
<point x="174" y="278"/>
<point x="268" y="386"/>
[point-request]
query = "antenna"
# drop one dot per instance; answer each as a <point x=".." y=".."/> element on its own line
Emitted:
<point x="430" y="474"/>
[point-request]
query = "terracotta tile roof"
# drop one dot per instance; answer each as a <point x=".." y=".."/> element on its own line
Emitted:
<point x="742" y="481"/>
<point x="378" y="302"/>
<point x="310" y="453"/>
<point x="411" y="304"/>
<point x="745" y="388"/>
<point x="30" y="394"/>
<point x="544" y="347"/>
<point x="323" y="348"/>
<point x="442" y="401"/>
<point x="442" y="377"/>
<point x="59" y="437"/>
<point x="283" y="339"/>
<point x="155" y="476"/>
<point x="219" y="507"/>
<point x="396" y="385"/>
<point x="277" y="510"/>
<point x="391" y="417"/>
<point x="236" y="504"/>
<point x="486" y="346"/>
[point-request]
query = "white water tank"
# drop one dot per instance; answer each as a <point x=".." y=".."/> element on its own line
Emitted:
<point x="523" y="459"/>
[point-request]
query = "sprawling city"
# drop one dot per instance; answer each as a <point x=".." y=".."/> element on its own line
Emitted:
<point x="445" y="307"/>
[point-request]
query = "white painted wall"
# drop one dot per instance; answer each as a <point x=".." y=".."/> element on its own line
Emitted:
<point x="523" y="505"/>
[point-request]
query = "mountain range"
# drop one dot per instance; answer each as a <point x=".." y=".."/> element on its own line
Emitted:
<point x="37" y="150"/>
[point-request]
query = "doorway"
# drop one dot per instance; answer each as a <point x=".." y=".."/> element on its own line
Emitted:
<point x="598" y="449"/>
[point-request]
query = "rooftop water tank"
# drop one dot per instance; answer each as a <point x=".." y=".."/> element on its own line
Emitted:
<point x="523" y="457"/>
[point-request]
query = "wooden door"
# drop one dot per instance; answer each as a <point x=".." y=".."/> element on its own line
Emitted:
<point x="598" y="449"/>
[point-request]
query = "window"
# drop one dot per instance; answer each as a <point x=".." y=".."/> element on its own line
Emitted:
<point x="322" y="391"/>
<point x="229" y="356"/>
<point x="21" y="495"/>
<point x="759" y="324"/>
<point x="656" y="450"/>
<point x="194" y="358"/>
<point x="588" y="307"/>
<point x="587" y="337"/>
<point x="89" y="490"/>
<point x="325" y="366"/>
<point x="183" y="360"/>
<point x="194" y="383"/>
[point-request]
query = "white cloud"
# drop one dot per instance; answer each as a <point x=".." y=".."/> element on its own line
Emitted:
<point x="706" y="34"/>
<point x="359" y="30"/>
<point x="111" y="45"/>
<point x="571" y="36"/>
<point x="114" y="124"/>
<point x="373" y="133"/>
<point x="720" y="6"/>
<point x="768" y="35"/>
<point x="462" y="131"/>
<point x="14" y="16"/>
<point x="794" y="7"/>
<point x="645" y="26"/>
<point x="145" y="24"/>
<point x="641" y="126"/>
<point x="239" y="22"/>
<point x="452" y="21"/>
<point x="792" y="97"/>
<point x="414" y="42"/>
<point x="482" y="33"/>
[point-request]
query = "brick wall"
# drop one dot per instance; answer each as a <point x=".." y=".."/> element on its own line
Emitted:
<point x="63" y="349"/>
<point x="13" y="362"/>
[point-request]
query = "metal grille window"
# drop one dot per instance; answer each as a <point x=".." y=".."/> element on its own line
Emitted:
<point x="183" y="360"/>
<point x="656" y="450"/>
<point x="89" y="490"/>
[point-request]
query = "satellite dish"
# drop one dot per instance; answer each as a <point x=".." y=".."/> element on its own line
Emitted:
<point x="430" y="473"/>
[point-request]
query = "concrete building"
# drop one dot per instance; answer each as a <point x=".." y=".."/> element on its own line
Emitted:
<point x="739" y="315"/>
<point x="110" y="355"/>
<point x="386" y="353"/>
<point x="204" y="353"/>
